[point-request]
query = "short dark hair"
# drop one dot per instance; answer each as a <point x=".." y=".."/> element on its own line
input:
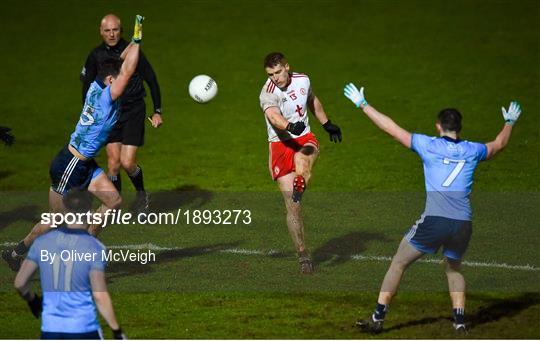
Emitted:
<point x="77" y="200"/>
<point x="274" y="58"/>
<point x="109" y="67"/>
<point x="450" y="120"/>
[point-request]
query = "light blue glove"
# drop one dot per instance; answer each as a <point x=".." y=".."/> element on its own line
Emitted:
<point x="512" y="115"/>
<point x="357" y="97"/>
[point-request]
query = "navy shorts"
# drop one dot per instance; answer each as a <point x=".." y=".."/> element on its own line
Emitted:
<point x="429" y="233"/>
<point x="67" y="172"/>
<point x="95" y="335"/>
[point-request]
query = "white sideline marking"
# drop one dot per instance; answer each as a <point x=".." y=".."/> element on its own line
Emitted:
<point x="474" y="264"/>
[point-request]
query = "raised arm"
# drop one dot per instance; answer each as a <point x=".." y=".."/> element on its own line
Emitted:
<point x="131" y="59"/>
<point x="382" y="121"/>
<point x="510" y="117"/>
<point x="104" y="302"/>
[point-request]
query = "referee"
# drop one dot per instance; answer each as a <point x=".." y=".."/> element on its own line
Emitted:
<point x="128" y="133"/>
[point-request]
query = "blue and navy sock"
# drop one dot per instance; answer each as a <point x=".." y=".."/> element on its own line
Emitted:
<point x="459" y="316"/>
<point x="380" y="311"/>
<point x="117" y="181"/>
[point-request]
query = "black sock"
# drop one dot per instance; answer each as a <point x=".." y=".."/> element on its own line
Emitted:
<point x="117" y="181"/>
<point x="137" y="179"/>
<point x="21" y="248"/>
<point x="459" y="315"/>
<point x="380" y="311"/>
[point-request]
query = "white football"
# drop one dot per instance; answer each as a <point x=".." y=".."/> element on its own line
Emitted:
<point x="203" y="88"/>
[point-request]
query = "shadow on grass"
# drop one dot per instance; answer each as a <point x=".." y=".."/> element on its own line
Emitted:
<point x="28" y="213"/>
<point x="167" y="201"/>
<point x="124" y="269"/>
<point x="499" y="308"/>
<point x="492" y="312"/>
<point x="339" y="250"/>
<point x="5" y="174"/>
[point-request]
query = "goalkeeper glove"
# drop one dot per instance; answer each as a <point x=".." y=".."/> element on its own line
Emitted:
<point x="512" y="115"/>
<point x="333" y="130"/>
<point x="357" y="97"/>
<point x="6" y="136"/>
<point x="137" y="30"/>
<point x="118" y="334"/>
<point x="36" y="305"/>
<point x="296" y="128"/>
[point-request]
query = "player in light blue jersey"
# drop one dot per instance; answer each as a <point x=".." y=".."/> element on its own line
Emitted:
<point x="74" y="166"/>
<point x="71" y="264"/>
<point x="449" y="165"/>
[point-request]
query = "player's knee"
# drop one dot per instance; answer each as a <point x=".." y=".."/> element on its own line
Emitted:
<point x="118" y="202"/>
<point x="114" y="165"/>
<point x="399" y="264"/>
<point x="451" y="266"/>
<point x="115" y="202"/>
<point x="309" y="151"/>
<point x="129" y="165"/>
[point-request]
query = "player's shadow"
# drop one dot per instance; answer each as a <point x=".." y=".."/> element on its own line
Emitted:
<point x="28" y="213"/>
<point x="493" y="311"/>
<point x="499" y="308"/>
<point x="339" y="250"/>
<point x="167" y="201"/>
<point x="117" y="270"/>
<point x="5" y="174"/>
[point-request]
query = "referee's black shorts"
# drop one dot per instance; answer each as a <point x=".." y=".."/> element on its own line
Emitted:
<point x="129" y="129"/>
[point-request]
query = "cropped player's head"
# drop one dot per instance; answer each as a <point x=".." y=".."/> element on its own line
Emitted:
<point x="77" y="201"/>
<point x="110" y="29"/>
<point x="449" y="121"/>
<point x="108" y="70"/>
<point x="277" y="68"/>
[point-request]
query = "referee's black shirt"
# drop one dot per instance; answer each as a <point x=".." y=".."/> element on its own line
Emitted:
<point x="135" y="89"/>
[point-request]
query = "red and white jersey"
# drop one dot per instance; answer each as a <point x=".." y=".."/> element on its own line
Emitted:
<point x="291" y="101"/>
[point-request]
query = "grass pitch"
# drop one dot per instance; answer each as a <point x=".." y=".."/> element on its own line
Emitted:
<point x="242" y="281"/>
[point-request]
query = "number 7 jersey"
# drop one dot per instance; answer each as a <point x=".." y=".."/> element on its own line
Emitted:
<point x="449" y="167"/>
<point x="291" y="101"/>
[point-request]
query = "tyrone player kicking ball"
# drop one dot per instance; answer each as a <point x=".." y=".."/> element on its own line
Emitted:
<point x="284" y="99"/>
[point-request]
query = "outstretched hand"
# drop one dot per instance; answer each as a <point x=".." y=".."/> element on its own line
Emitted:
<point x="356" y="96"/>
<point x="512" y="115"/>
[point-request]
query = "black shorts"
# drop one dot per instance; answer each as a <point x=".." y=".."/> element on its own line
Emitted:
<point x="129" y="129"/>
<point x="67" y="171"/>
<point x="431" y="232"/>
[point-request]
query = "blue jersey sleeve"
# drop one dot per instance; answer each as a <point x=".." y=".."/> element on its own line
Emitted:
<point x="419" y="144"/>
<point x="481" y="150"/>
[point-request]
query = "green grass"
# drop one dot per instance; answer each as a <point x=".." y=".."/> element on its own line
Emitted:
<point x="414" y="58"/>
